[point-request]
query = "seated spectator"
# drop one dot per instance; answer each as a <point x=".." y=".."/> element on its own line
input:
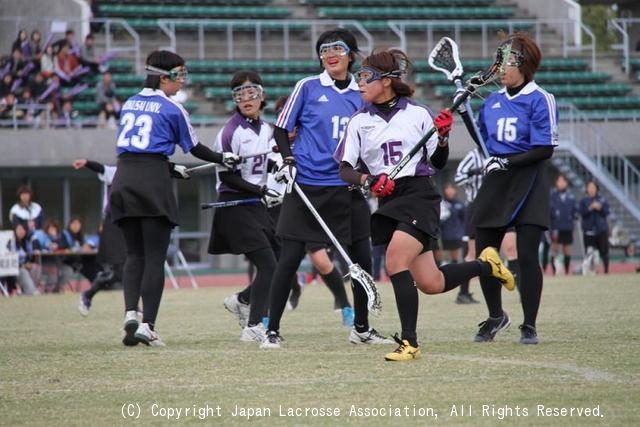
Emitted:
<point x="5" y="85"/>
<point x="25" y="279"/>
<point x="66" y="116"/>
<point x="25" y="211"/>
<point x="33" y="50"/>
<point x="49" y="242"/>
<point x="47" y="61"/>
<point x="106" y="97"/>
<point x="21" y="40"/>
<point x="77" y="243"/>
<point x="6" y="106"/>
<point x="67" y="66"/>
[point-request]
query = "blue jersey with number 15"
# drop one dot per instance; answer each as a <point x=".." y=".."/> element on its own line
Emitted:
<point x="320" y="111"/>
<point x="152" y="123"/>
<point x="519" y="123"/>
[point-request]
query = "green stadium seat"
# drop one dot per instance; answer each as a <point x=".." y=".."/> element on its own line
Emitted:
<point x="390" y="12"/>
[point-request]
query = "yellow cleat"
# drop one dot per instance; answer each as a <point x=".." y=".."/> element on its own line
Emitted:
<point x="498" y="269"/>
<point x="404" y="352"/>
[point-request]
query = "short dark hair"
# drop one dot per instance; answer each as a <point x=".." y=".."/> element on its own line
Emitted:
<point x="24" y="189"/>
<point x="389" y="60"/>
<point x="339" y="34"/>
<point x="164" y="60"/>
<point x="242" y="76"/>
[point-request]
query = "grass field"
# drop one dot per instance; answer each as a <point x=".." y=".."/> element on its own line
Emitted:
<point x="57" y="368"/>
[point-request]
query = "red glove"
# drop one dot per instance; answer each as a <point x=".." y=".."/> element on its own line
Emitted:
<point x="381" y="185"/>
<point x="443" y="122"/>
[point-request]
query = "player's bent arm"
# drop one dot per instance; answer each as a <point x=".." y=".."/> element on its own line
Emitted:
<point x="441" y="154"/>
<point x="350" y="175"/>
<point x="281" y="136"/>
<point x="535" y="155"/>
<point x="205" y="153"/>
<point x="235" y="181"/>
<point x="94" y="166"/>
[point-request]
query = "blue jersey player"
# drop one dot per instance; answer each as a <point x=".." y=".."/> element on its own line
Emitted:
<point x="142" y="201"/>
<point x="519" y="126"/>
<point x="319" y="109"/>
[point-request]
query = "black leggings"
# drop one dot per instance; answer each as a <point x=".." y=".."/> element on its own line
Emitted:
<point x="265" y="262"/>
<point x="527" y="241"/>
<point x="147" y="241"/>
<point x="600" y="242"/>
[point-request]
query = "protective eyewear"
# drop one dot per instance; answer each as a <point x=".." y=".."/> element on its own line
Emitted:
<point x="176" y="74"/>
<point x="337" y="48"/>
<point x="246" y="93"/>
<point x="368" y="74"/>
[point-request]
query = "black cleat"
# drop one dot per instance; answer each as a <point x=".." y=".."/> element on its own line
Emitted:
<point x="490" y="327"/>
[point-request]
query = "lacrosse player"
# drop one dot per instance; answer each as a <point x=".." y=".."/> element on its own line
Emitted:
<point x="318" y="109"/>
<point x="142" y="201"/>
<point x="594" y="211"/>
<point x="408" y="216"/>
<point x="518" y="125"/>
<point x="564" y="210"/>
<point x="247" y="229"/>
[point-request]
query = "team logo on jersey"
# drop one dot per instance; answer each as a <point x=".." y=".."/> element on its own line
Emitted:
<point x="323" y="98"/>
<point x="496" y="105"/>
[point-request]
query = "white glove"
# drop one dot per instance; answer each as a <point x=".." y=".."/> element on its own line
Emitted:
<point x="495" y="164"/>
<point x="179" y="171"/>
<point x="230" y="160"/>
<point x="287" y="174"/>
<point x="271" y="197"/>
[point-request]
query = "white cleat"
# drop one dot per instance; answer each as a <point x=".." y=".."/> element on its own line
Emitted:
<point x="256" y="333"/>
<point x="369" y="337"/>
<point x="145" y="335"/>
<point x="233" y="305"/>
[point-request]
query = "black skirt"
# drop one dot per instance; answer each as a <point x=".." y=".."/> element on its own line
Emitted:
<point x="241" y="229"/>
<point x="415" y="201"/>
<point x="142" y="187"/>
<point x="516" y="196"/>
<point x="332" y="203"/>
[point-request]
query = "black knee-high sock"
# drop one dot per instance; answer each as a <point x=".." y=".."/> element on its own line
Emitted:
<point x="464" y="288"/>
<point x="531" y="274"/>
<point x="334" y="282"/>
<point x="265" y="262"/>
<point x="567" y="264"/>
<point x="406" y="294"/>
<point x="360" y="252"/>
<point x="514" y="267"/>
<point x="456" y="274"/>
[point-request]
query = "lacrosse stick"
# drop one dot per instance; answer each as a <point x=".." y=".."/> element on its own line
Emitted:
<point x="374" y="304"/>
<point x="476" y="81"/>
<point x="446" y="59"/>
<point x="229" y="203"/>
<point x="203" y="168"/>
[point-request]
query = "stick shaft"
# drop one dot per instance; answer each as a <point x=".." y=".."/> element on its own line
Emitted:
<point x="207" y="166"/>
<point x="324" y="226"/>
<point x="229" y="203"/>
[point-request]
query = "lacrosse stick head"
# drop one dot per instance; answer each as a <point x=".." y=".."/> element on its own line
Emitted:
<point x="496" y="69"/>
<point x="364" y="279"/>
<point x="445" y="58"/>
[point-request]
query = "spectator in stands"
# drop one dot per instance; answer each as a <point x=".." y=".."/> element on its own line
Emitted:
<point x="594" y="211"/>
<point x="77" y="243"/>
<point x="5" y="85"/>
<point x="519" y="128"/>
<point x="33" y="50"/>
<point x="70" y="40"/>
<point x="21" y="40"/>
<point x="49" y="242"/>
<point x="47" y="62"/>
<point x="6" y="106"/>
<point x="24" y="279"/>
<point x="25" y="211"/>
<point x="106" y="98"/>
<point x="67" y="65"/>
<point x="564" y="210"/>
<point x="88" y="55"/>
<point x="28" y="267"/>
<point x="67" y="116"/>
